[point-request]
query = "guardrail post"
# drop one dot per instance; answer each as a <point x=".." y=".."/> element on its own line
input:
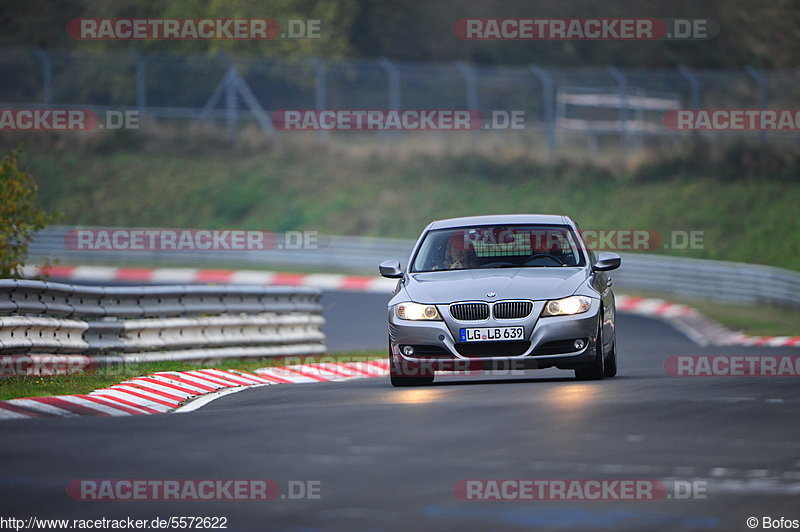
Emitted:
<point x="47" y="75"/>
<point x="761" y="80"/>
<point x="622" y="82"/>
<point x="548" y="106"/>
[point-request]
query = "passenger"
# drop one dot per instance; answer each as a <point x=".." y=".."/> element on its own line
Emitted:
<point x="459" y="254"/>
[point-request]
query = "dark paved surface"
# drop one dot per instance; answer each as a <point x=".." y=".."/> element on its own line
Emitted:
<point x="387" y="458"/>
<point x="355" y="321"/>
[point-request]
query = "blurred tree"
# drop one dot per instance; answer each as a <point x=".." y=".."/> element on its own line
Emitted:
<point x="752" y="32"/>
<point x="43" y="22"/>
<point x="20" y="217"/>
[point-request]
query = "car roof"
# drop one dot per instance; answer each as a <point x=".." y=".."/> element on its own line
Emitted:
<point x="502" y="219"/>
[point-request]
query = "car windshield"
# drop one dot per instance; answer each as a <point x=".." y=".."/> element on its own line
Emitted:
<point x="517" y="246"/>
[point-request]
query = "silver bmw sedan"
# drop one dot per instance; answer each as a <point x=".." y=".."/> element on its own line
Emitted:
<point x="517" y="291"/>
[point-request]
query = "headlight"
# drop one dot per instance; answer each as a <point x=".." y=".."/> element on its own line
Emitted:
<point x="415" y="311"/>
<point x="567" y="306"/>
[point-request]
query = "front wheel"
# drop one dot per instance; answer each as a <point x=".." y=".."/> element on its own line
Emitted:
<point x="404" y="373"/>
<point x="611" y="364"/>
<point x="594" y="370"/>
<point x="400" y="382"/>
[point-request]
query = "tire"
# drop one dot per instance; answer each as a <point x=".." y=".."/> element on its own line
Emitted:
<point x="610" y="369"/>
<point x="594" y="370"/>
<point x="400" y="382"/>
<point x="404" y="373"/>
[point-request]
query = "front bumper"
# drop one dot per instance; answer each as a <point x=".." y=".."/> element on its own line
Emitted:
<point x="547" y="341"/>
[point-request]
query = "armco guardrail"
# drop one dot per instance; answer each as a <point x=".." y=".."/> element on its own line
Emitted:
<point x="331" y="253"/>
<point x="712" y="280"/>
<point x="732" y="282"/>
<point x="159" y="322"/>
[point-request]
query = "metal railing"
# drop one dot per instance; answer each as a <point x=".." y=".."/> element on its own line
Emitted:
<point x="697" y="278"/>
<point x="730" y="282"/>
<point x="331" y="253"/>
<point x="170" y="322"/>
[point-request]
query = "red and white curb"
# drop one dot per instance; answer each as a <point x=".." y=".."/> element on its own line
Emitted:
<point x="653" y="307"/>
<point x="685" y="318"/>
<point x="765" y="341"/>
<point x="168" y="391"/>
<point x="99" y="274"/>
<point x="696" y="326"/>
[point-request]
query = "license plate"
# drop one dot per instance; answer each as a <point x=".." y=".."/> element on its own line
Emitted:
<point x="487" y="334"/>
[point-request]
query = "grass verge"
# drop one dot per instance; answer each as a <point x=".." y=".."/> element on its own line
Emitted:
<point x="742" y="199"/>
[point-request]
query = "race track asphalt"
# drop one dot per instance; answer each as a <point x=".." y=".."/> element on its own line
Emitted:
<point x="389" y="458"/>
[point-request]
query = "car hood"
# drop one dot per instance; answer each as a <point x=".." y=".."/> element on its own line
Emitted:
<point x="507" y="283"/>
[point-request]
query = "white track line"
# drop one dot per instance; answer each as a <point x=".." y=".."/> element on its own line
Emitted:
<point x="202" y="400"/>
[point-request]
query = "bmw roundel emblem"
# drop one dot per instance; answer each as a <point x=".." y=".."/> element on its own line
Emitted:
<point x="490" y="294"/>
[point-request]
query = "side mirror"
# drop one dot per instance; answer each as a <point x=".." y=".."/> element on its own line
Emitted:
<point x="390" y="269"/>
<point x="606" y="261"/>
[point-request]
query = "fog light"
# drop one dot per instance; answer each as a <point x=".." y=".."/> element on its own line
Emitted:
<point x="579" y="344"/>
<point x="408" y="350"/>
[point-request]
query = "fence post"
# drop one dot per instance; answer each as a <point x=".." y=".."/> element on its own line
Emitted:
<point x="695" y="90"/>
<point x="231" y="103"/>
<point x="320" y="89"/>
<point x="470" y="83"/>
<point x="694" y="86"/>
<point x="47" y="75"/>
<point x="393" y="75"/>
<point x="623" y="107"/>
<point x="141" y="81"/>
<point x="761" y="80"/>
<point x="249" y="98"/>
<point x="213" y="100"/>
<point x="548" y="106"/>
<point x="471" y="86"/>
<point x="320" y="84"/>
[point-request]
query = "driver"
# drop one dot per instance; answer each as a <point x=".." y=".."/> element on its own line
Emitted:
<point x="548" y="245"/>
